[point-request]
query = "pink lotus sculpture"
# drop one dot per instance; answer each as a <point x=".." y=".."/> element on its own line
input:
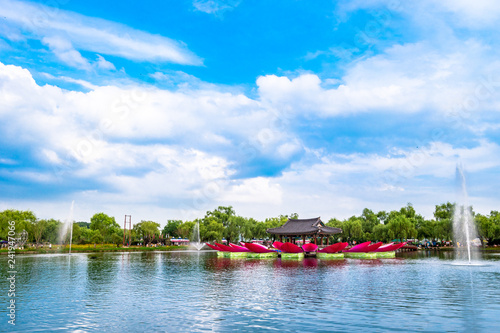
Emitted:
<point x="359" y="248"/>
<point x="390" y="247"/>
<point x="373" y="247"/>
<point x="309" y="247"/>
<point x="277" y="245"/>
<point x="214" y="247"/>
<point x="226" y="248"/>
<point x="239" y="248"/>
<point x="257" y="248"/>
<point x="334" y="248"/>
<point x="291" y="248"/>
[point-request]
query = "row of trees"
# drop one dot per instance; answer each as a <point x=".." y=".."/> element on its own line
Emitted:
<point x="224" y="223"/>
<point x="369" y="226"/>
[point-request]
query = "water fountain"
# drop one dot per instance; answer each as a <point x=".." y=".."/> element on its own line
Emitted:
<point x="464" y="229"/>
<point x="68" y="224"/>
<point x="195" y="238"/>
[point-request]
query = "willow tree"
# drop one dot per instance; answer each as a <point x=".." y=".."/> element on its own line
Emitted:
<point x="402" y="227"/>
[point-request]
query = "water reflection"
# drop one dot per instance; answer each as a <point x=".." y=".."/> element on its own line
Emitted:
<point x="186" y="292"/>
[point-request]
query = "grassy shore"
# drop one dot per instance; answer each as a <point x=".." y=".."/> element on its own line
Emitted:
<point x="90" y="248"/>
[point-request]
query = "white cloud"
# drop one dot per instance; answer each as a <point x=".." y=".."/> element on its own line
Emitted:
<point x="342" y="185"/>
<point x="104" y="64"/>
<point x="254" y="191"/>
<point x="137" y="144"/>
<point x="404" y="79"/>
<point x="464" y="13"/>
<point x="474" y="14"/>
<point x="215" y="6"/>
<point x="66" y="53"/>
<point x="7" y="161"/>
<point x="163" y="150"/>
<point x="63" y="28"/>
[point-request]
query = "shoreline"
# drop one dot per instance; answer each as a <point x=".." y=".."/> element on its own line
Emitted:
<point x="90" y="249"/>
<point x="172" y="248"/>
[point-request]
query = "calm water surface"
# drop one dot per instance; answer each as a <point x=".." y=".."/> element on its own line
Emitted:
<point x="192" y="292"/>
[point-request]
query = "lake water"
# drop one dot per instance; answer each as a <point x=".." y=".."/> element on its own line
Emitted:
<point x="192" y="292"/>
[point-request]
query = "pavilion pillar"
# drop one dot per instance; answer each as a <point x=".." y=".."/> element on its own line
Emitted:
<point x="303" y="239"/>
<point x="327" y="239"/>
<point x="315" y="240"/>
<point x="321" y="243"/>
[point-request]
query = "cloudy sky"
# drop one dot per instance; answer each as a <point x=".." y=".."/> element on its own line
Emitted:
<point x="167" y="109"/>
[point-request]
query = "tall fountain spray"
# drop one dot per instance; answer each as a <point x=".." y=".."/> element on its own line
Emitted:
<point x="68" y="224"/>
<point x="195" y="238"/>
<point x="464" y="229"/>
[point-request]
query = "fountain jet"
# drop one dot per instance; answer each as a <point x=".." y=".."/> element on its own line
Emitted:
<point x="464" y="229"/>
<point x="68" y="224"/>
<point x="195" y="239"/>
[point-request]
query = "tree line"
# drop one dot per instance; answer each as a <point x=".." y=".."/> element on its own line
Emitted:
<point x="223" y="223"/>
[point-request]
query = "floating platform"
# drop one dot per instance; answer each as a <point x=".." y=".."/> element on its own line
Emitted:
<point x="389" y="254"/>
<point x="320" y="255"/>
<point x="292" y="256"/>
<point x="361" y="255"/>
<point x="298" y="256"/>
<point x="252" y="255"/>
<point x="235" y="254"/>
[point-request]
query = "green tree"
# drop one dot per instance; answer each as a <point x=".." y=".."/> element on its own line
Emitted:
<point x="489" y="226"/>
<point x="38" y="227"/>
<point x="369" y="220"/>
<point x="444" y="230"/>
<point x="23" y="221"/>
<point x="51" y="231"/>
<point x="273" y="222"/>
<point x="170" y="229"/>
<point x="444" y="211"/>
<point x="381" y="233"/>
<point x="96" y="237"/>
<point x="352" y="229"/>
<point x="382" y="216"/>
<point x="401" y="227"/>
<point x="85" y="236"/>
<point x="185" y="229"/>
<point x="235" y="228"/>
<point x="258" y="229"/>
<point x="444" y="221"/>
<point x="427" y="230"/>
<point x="83" y="224"/>
<point x="117" y="239"/>
<point x="221" y="214"/>
<point x="147" y="230"/>
<point x="211" y="230"/>
<point x="105" y="224"/>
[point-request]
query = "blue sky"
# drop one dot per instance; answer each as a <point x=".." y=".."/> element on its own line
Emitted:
<point x="164" y="110"/>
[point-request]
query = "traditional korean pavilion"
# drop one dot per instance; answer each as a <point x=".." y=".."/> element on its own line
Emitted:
<point x="302" y="228"/>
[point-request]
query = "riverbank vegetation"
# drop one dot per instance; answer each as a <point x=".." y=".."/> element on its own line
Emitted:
<point x="223" y="222"/>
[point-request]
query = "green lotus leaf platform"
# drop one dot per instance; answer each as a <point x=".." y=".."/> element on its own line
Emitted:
<point x="235" y="254"/>
<point x="292" y="256"/>
<point x="361" y="255"/>
<point x="320" y="255"/>
<point x="252" y="255"/>
<point x="389" y="254"/>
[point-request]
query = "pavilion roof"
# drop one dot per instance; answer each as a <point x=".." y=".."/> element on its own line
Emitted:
<point x="304" y="227"/>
